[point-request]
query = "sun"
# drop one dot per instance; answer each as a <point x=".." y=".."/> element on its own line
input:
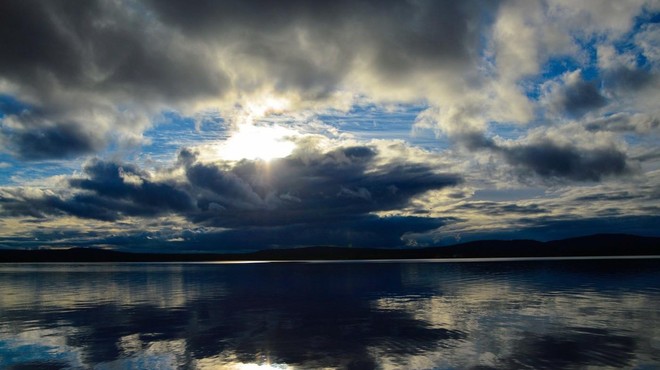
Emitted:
<point x="258" y="142"/>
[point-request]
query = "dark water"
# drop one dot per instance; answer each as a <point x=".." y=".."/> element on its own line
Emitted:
<point x="508" y="315"/>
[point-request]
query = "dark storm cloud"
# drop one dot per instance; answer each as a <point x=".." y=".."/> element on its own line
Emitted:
<point x="98" y="47"/>
<point x="475" y="140"/>
<point x="367" y="231"/>
<point x="579" y="97"/>
<point x="627" y="78"/>
<point x="121" y="46"/>
<point x="33" y="49"/>
<point x="551" y="160"/>
<point x="80" y="65"/>
<point x="109" y="180"/>
<point x="397" y="36"/>
<point x="129" y="191"/>
<point x="324" y="188"/>
<point x="105" y="58"/>
<point x="60" y="140"/>
<point x="29" y="132"/>
<point x="110" y="192"/>
<point x="17" y="204"/>
<point x="319" y="197"/>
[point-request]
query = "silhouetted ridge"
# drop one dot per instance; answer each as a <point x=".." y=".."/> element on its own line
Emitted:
<point x="594" y="245"/>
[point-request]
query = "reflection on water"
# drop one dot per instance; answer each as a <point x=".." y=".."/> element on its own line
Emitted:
<point x="554" y="315"/>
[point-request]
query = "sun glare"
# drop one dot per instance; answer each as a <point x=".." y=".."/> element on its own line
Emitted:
<point x="257" y="142"/>
<point x="215" y="363"/>
<point x="263" y="367"/>
<point x="267" y="105"/>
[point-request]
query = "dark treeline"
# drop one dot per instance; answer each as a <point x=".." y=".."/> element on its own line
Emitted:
<point x="595" y="245"/>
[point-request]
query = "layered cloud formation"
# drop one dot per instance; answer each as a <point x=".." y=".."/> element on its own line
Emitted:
<point x="114" y="115"/>
<point x="333" y="191"/>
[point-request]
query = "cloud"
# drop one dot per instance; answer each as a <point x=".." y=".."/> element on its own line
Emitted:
<point x="90" y="74"/>
<point x="626" y="204"/>
<point x="319" y="186"/>
<point x="500" y="208"/>
<point x="530" y="44"/>
<point x="109" y="192"/>
<point x="517" y="93"/>
<point x="575" y="96"/>
<point x="59" y="140"/>
<point x="625" y="122"/>
<point x="100" y="47"/>
<point x="615" y="196"/>
<point x="106" y="67"/>
<point x="631" y="79"/>
<point x="120" y="182"/>
<point x="623" y="78"/>
<point x="368" y="231"/>
<point x="316" y="196"/>
<point x="551" y="160"/>
<point x="607" y="20"/>
<point x="550" y="156"/>
<point x="395" y="39"/>
<point x="649" y="41"/>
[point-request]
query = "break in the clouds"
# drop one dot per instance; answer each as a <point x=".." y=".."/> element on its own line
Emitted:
<point x="257" y="124"/>
<point x="104" y="68"/>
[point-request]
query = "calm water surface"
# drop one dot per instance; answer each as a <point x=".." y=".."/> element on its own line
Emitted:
<point x="502" y="315"/>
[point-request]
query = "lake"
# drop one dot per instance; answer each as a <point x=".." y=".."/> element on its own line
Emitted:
<point x="333" y="315"/>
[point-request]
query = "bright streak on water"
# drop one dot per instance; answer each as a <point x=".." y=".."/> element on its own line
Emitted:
<point x="412" y="315"/>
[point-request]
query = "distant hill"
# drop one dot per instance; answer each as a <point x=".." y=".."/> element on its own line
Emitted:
<point x="594" y="245"/>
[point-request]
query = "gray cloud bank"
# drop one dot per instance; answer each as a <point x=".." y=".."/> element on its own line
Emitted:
<point x="94" y="73"/>
<point x="550" y="160"/>
<point x="308" y="197"/>
<point x="80" y="78"/>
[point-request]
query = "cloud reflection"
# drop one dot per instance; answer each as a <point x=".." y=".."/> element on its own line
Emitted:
<point x="346" y="316"/>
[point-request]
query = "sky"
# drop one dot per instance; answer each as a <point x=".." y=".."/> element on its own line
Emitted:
<point x="178" y="126"/>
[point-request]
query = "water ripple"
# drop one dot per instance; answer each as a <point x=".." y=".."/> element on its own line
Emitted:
<point x="300" y="316"/>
